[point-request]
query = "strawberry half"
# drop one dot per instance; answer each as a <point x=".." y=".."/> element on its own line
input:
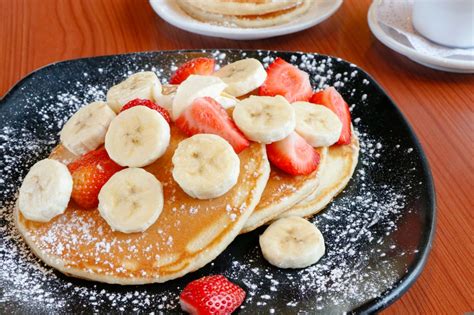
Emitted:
<point x="201" y="66"/>
<point x="149" y="104"/>
<point x="293" y="155"/>
<point x="205" y="115"/>
<point x="286" y="80"/>
<point x="211" y="295"/>
<point x="89" y="173"/>
<point x="331" y="98"/>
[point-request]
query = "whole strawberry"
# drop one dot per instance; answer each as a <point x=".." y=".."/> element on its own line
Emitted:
<point x="89" y="173"/>
<point x="211" y="295"/>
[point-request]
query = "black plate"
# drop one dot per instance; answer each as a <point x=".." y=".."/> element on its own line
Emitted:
<point x="378" y="231"/>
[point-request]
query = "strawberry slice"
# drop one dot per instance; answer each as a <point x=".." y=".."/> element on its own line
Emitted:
<point x="286" y="80"/>
<point x="331" y="98"/>
<point x="201" y="66"/>
<point x="89" y="173"/>
<point x="211" y="295"/>
<point x="205" y="115"/>
<point x="149" y="104"/>
<point x="293" y="155"/>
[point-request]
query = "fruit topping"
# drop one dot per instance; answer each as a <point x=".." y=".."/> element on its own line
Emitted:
<point x="205" y="115"/>
<point x="200" y="66"/>
<point x="293" y="155"/>
<point x="286" y="80"/>
<point x="211" y="295"/>
<point x="331" y="98"/>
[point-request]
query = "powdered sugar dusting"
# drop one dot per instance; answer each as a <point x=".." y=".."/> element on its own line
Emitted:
<point x="361" y="260"/>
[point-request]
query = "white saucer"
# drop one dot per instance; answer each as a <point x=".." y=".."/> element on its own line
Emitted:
<point x="169" y="11"/>
<point x="403" y="47"/>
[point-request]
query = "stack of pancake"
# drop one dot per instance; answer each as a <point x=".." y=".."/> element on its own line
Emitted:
<point x="245" y="13"/>
<point x="189" y="232"/>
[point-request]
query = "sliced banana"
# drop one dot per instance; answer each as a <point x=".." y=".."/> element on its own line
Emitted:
<point x="86" y="129"/>
<point x="242" y="76"/>
<point x="292" y="242"/>
<point x="193" y="87"/>
<point x="205" y="166"/>
<point x="139" y="85"/>
<point x="265" y="119"/>
<point x="165" y="96"/>
<point x="226" y="100"/>
<point x="317" y="124"/>
<point x="45" y="191"/>
<point x="131" y="200"/>
<point x="137" y="137"/>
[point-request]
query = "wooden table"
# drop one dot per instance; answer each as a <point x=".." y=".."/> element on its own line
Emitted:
<point x="439" y="105"/>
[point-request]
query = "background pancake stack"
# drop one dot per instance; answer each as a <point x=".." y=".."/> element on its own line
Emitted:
<point x="245" y="13"/>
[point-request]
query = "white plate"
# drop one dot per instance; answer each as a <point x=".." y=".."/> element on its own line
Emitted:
<point x="169" y="11"/>
<point x="438" y="63"/>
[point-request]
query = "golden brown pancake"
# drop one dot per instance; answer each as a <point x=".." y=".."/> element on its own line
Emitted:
<point x="188" y="234"/>
<point x="244" y="7"/>
<point x="254" y="20"/>
<point x="336" y="172"/>
<point x="282" y="192"/>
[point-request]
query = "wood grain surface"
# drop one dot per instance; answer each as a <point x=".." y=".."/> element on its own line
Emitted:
<point x="439" y="105"/>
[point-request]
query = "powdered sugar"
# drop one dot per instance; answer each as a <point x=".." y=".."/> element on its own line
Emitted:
<point x="361" y="260"/>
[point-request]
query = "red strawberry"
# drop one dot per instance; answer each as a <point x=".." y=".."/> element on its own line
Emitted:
<point x="211" y="295"/>
<point x="293" y="155"/>
<point x="331" y="98"/>
<point x="149" y="104"/>
<point x="201" y="66"/>
<point x="89" y="173"/>
<point x="286" y="80"/>
<point x="205" y="115"/>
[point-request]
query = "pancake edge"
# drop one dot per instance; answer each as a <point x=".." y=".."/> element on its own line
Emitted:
<point x="272" y="211"/>
<point x="244" y="8"/>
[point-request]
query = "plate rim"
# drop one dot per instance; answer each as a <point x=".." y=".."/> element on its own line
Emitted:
<point x="242" y="33"/>
<point x="387" y="297"/>
<point x="442" y="64"/>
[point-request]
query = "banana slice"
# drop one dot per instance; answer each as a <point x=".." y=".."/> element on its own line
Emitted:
<point x="317" y="124"/>
<point x="86" y="129"/>
<point x="265" y="119"/>
<point x="242" y="76"/>
<point x="137" y="137"/>
<point x="205" y="166"/>
<point x="292" y="242"/>
<point x="193" y="87"/>
<point x="165" y="96"/>
<point x="131" y="200"/>
<point x="45" y="191"/>
<point x="226" y="100"/>
<point x="139" y="85"/>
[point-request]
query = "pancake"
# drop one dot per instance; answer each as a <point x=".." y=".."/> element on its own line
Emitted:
<point x="245" y="21"/>
<point x="336" y="172"/>
<point x="188" y="234"/>
<point x="282" y="192"/>
<point x="244" y="7"/>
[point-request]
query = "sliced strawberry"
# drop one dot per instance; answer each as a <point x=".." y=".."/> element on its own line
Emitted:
<point x="149" y="104"/>
<point x="89" y="173"/>
<point x="286" y="80"/>
<point x="293" y="155"/>
<point x="201" y="66"/>
<point x="205" y="115"/>
<point x="331" y="98"/>
<point x="211" y="295"/>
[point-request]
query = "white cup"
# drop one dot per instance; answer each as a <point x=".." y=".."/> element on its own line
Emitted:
<point x="446" y="22"/>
